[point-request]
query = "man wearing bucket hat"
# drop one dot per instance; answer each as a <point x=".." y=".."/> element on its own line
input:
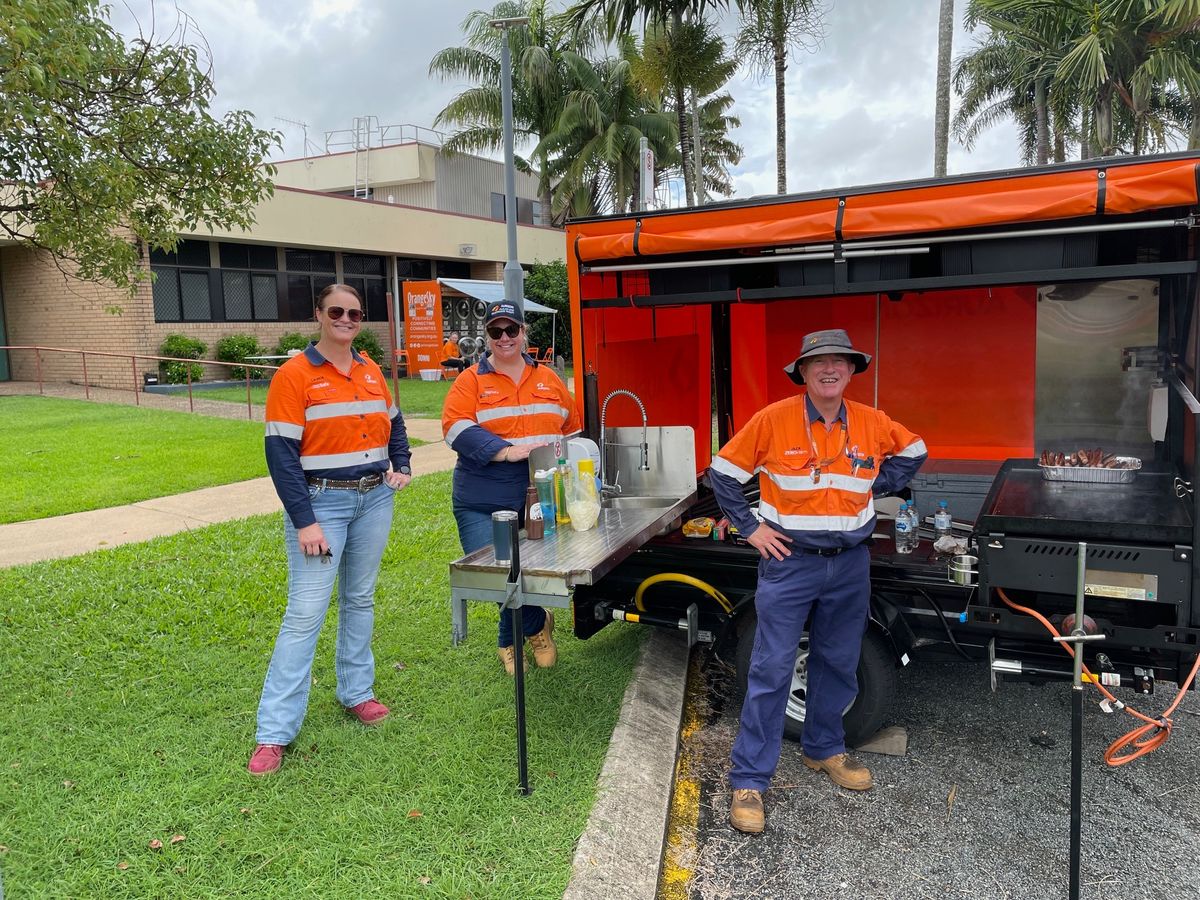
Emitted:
<point x="818" y="458"/>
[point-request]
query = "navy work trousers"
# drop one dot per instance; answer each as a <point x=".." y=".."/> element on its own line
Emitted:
<point x="836" y="591"/>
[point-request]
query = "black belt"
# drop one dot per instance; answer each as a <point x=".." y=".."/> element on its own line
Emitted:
<point x="825" y="551"/>
<point x="362" y="485"/>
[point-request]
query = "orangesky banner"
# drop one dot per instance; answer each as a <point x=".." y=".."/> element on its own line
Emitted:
<point x="423" y="324"/>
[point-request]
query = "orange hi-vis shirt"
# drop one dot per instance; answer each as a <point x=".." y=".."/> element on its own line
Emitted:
<point x="485" y="412"/>
<point x="818" y="486"/>
<point x="322" y="423"/>
<point x="450" y="351"/>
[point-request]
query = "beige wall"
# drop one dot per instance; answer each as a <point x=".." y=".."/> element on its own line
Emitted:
<point x="297" y="219"/>
<point x="398" y="164"/>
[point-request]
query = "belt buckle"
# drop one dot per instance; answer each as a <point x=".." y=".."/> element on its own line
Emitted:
<point x="362" y="484"/>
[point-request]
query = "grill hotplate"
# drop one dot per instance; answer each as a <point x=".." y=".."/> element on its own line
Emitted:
<point x="1021" y="502"/>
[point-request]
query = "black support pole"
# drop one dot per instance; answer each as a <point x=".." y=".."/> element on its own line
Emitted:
<point x="514" y="578"/>
<point x="1076" y="780"/>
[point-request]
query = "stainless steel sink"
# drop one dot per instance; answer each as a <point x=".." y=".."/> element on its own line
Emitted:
<point x="620" y="502"/>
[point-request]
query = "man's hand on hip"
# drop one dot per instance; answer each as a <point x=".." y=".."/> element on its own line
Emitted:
<point x="767" y="541"/>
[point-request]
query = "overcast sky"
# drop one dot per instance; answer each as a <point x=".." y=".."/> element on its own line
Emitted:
<point x="860" y="108"/>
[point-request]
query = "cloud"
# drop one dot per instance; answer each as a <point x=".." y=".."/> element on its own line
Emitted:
<point x="860" y="109"/>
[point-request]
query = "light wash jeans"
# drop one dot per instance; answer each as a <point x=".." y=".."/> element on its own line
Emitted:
<point x="475" y="531"/>
<point x="357" y="527"/>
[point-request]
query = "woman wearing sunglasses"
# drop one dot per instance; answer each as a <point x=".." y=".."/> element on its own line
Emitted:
<point x="337" y="451"/>
<point x="497" y="412"/>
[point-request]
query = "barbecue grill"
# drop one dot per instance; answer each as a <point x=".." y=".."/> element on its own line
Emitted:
<point x="1139" y="552"/>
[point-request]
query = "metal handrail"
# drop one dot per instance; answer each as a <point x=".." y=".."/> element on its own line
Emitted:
<point x="133" y="358"/>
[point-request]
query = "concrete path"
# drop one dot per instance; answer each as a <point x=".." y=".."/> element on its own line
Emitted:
<point x="70" y="535"/>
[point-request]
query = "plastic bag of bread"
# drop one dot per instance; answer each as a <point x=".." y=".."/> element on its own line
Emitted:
<point x="698" y="528"/>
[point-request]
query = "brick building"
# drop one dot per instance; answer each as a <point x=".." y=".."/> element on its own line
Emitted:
<point x="370" y="218"/>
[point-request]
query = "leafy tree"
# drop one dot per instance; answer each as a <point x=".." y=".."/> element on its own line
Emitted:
<point x="541" y="54"/>
<point x="596" y="141"/>
<point x="102" y="140"/>
<point x="684" y="50"/>
<point x="546" y="283"/>
<point x="1119" y="75"/>
<point x="770" y="31"/>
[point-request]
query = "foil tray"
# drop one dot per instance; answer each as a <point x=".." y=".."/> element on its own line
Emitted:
<point x="1095" y="474"/>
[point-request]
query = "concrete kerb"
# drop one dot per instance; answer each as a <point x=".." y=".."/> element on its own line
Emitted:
<point x="620" y="851"/>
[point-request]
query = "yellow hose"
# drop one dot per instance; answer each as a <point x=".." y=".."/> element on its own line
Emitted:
<point x="680" y="578"/>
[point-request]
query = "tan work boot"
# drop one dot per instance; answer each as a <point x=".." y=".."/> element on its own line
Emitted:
<point x="746" y="811"/>
<point x="545" y="653"/>
<point x="843" y="770"/>
<point x="508" y="656"/>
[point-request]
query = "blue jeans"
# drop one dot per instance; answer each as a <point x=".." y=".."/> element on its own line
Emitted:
<point x="837" y="591"/>
<point x="356" y="527"/>
<point x="474" y="532"/>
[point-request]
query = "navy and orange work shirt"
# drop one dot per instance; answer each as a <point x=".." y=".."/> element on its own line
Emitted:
<point x="324" y="424"/>
<point x="864" y="452"/>
<point x="485" y="412"/>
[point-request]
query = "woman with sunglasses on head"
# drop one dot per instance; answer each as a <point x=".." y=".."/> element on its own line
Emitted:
<point x="337" y="451"/>
<point x="498" y="411"/>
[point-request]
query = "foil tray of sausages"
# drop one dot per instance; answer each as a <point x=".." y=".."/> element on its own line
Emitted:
<point x="1091" y="466"/>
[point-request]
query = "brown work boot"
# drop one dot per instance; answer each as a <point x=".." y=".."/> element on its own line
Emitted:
<point x="508" y="656"/>
<point x="746" y="811"/>
<point x="843" y="770"/>
<point x="545" y="653"/>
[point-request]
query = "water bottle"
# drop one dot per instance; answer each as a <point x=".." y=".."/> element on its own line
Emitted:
<point x="941" y="520"/>
<point x="914" y="536"/>
<point x="903" y="530"/>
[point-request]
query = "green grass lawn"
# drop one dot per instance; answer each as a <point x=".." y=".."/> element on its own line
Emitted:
<point x="68" y="456"/>
<point x="131" y="679"/>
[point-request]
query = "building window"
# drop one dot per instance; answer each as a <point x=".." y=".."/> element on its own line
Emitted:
<point x="453" y="269"/>
<point x="249" y="286"/>
<point x="414" y="269"/>
<point x="181" y="283"/>
<point x="308" y="273"/>
<point x="368" y="276"/>
<point x="529" y="212"/>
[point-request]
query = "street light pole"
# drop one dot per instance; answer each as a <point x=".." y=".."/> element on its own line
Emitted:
<point x="514" y="276"/>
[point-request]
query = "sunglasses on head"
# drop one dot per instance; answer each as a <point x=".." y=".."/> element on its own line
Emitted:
<point x="495" y="331"/>
<point x="335" y="313"/>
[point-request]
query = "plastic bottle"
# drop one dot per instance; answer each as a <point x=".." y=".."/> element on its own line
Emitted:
<point x="942" y="520"/>
<point x="544" y="479"/>
<point x="562" y="491"/>
<point x="914" y="534"/>
<point x="903" y="530"/>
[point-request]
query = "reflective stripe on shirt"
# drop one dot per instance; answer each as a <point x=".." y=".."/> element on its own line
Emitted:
<point x="725" y="467"/>
<point x="827" y="480"/>
<point x="350" y="408"/>
<point x="340" y="460"/>
<point x="458" y="428"/>
<point x="285" y="429"/>
<point x="913" y="450"/>
<point x="528" y="409"/>
<point x="817" y="523"/>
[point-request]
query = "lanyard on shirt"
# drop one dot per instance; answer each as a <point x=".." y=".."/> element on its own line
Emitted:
<point x="816" y="469"/>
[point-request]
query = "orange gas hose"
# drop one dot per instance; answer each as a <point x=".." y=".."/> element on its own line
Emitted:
<point x="1147" y="737"/>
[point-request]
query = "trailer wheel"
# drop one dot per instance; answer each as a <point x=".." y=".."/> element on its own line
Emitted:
<point x="876" y="684"/>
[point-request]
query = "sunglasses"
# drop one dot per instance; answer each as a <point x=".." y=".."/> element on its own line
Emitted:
<point x="495" y="331"/>
<point x="335" y="313"/>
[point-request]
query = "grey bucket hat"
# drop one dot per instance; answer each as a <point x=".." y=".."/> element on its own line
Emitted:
<point x="819" y="343"/>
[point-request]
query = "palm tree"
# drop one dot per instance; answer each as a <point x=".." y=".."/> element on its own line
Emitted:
<point x="941" y="118"/>
<point x="770" y="29"/>
<point x="595" y="145"/>
<point x="1128" y="73"/>
<point x="619" y="17"/>
<point x="719" y="152"/>
<point x="541" y="53"/>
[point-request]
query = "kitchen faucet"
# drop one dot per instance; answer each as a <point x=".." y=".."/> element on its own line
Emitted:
<point x="615" y="488"/>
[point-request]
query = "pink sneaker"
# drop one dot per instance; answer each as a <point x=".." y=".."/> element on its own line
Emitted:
<point x="266" y="759"/>
<point x="369" y="712"/>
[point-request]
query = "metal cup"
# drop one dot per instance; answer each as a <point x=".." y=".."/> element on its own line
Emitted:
<point x="961" y="570"/>
<point x="502" y="535"/>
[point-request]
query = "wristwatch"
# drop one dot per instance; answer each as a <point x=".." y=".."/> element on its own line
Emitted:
<point x="404" y="470"/>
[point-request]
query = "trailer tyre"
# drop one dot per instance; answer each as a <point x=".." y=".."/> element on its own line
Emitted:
<point x="876" y="684"/>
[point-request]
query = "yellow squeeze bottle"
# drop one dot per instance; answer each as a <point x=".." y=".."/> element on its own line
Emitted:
<point x="562" y="492"/>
